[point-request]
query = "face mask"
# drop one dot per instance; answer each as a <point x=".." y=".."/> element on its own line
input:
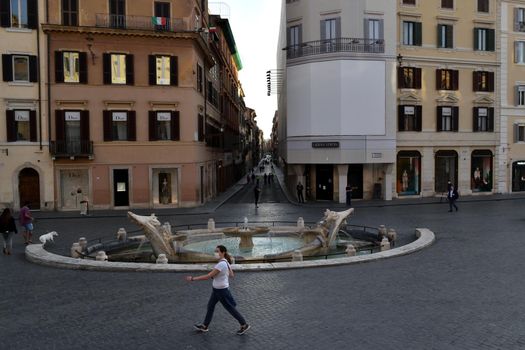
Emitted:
<point x="216" y="255"/>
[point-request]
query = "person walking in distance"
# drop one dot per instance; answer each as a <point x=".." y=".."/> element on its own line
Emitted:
<point x="452" y="197"/>
<point x="300" y="189"/>
<point x="8" y="229"/>
<point x="256" y="193"/>
<point x="26" y="220"/>
<point x="220" y="292"/>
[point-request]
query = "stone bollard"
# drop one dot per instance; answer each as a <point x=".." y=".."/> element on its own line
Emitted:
<point x="122" y="235"/>
<point x="101" y="256"/>
<point x="300" y="223"/>
<point x="350" y="250"/>
<point x="82" y="241"/>
<point x="297" y="255"/>
<point x="162" y="259"/>
<point x="75" y="249"/>
<point x="392" y="236"/>
<point x="381" y="232"/>
<point x="385" y="244"/>
<point x="211" y="225"/>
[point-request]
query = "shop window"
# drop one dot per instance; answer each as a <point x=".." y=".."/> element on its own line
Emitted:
<point x="518" y="176"/>
<point x="446" y="170"/>
<point x="408" y="173"/>
<point x="481" y="178"/>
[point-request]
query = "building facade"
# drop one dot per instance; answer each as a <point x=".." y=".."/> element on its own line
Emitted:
<point x="337" y="106"/>
<point x="26" y="170"/>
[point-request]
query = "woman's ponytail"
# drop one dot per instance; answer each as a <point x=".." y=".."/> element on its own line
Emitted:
<point x="227" y="256"/>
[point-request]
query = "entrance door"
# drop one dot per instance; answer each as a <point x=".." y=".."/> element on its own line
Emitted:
<point x="325" y="183"/>
<point x="121" y="187"/>
<point x="29" y="188"/>
<point x="355" y="180"/>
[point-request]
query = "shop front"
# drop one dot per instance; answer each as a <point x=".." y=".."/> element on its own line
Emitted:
<point x="408" y="173"/>
<point x="446" y="170"/>
<point x="481" y="171"/>
<point x="518" y="176"/>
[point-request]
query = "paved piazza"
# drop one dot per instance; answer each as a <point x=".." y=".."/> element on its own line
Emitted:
<point x="464" y="292"/>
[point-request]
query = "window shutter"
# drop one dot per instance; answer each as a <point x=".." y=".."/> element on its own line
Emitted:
<point x="130" y="77"/>
<point x="5" y="13"/>
<point x="381" y="29"/>
<point x="455" y="80"/>
<point x="59" y="67"/>
<point x="338" y="27"/>
<point x="175" y="126"/>
<point x="419" y="118"/>
<point x="516" y="95"/>
<point x="516" y="51"/>
<point x="106" y="59"/>
<point x="491" y="40"/>
<point x="439" y="35"/>
<point x="10" y="125"/>
<point x="400" y="76"/>
<point x="438" y="79"/>
<point x="475" y="80"/>
<point x="174" y="71"/>
<point x="417" y="77"/>
<point x="516" y="20"/>
<point x="152" y="63"/>
<point x="455" y="118"/>
<point x="132" y="126"/>
<point x="288" y="36"/>
<point x="84" y="126"/>
<point x="152" y="116"/>
<point x="476" y="42"/>
<point x="475" y="113"/>
<point x="366" y="33"/>
<point x="491" y="120"/>
<point x="449" y="36"/>
<point x="323" y="30"/>
<point x="7" y="67"/>
<point x="418" y="34"/>
<point x="60" y="126"/>
<point x="439" y="123"/>
<point x="300" y="30"/>
<point x="33" y="69"/>
<point x="107" y="125"/>
<point x="400" y="118"/>
<point x="491" y="81"/>
<point x="516" y="133"/>
<point x="83" y="69"/>
<point x="32" y="126"/>
<point x="32" y="14"/>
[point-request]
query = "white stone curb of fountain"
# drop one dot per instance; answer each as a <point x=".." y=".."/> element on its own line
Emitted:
<point x="37" y="254"/>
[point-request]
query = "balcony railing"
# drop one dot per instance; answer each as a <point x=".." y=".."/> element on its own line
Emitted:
<point x="159" y="24"/>
<point x="320" y="47"/>
<point x="68" y="149"/>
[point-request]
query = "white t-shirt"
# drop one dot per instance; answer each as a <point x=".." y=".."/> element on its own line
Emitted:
<point x="220" y="281"/>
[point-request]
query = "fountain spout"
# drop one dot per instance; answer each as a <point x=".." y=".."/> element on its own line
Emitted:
<point x="159" y="236"/>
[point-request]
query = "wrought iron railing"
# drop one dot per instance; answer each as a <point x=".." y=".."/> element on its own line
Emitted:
<point x="319" y="47"/>
<point x="71" y="148"/>
<point x="160" y="24"/>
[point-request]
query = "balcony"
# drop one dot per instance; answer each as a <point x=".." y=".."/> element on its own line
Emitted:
<point x="320" y="47"/>
<point x="71" y="149"/>
<point x="158" y="24"/>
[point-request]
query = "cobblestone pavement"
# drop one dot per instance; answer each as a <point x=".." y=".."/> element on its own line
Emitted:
<point x="464" y="292"/>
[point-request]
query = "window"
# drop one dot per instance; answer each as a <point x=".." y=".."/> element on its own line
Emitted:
<point x="483" y="119"/>
<point x="117" y="13"/>
<point x="20" y="68"/>
<point x="519" y="133"/>
<point x="412" y="33"/>
<point x="70" y="67"/>
<point x="72" y="133"/>
<point x="445" y="36"/>
<point x="483" y="81"/>
<point x="409" y="118"/>
<point x="519" y="52"/>
<point x="164" y="126"/>
<point x="519" y="19"/>
<point x="374" y="29"/>
<point x="483" y="6"/>
<point x="409" y="2"/>
<point x="520" y="95"/>
<point x="118" y="69"/>
<point x="447" y="79"/>
<point x="447" y="4"/>
<point x="330" y="29"/>
<point x="200" y="78"/>
<point x="484" y="39"/>
<point x="70" y="12"/>
<point x="409" y="78"/>
<point x="447" y="118"/>
<point x="19" y="14"/>
<point x="119" y="125"/>
<point x="481" y="180"/>
<point x="408" y="173"/>
<point x="162" y="11"/>
<point x="294" y="35"/>
<point x="446" y="169"/>
<point x="21" y="125"/>
<point x="163" y="70"/>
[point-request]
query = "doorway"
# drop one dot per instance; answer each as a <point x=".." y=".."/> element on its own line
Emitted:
<point x="325" y="182"/>
<point x="355" y="180"/>
<point x="29" y="188"/>
<point x="121" y="187"/>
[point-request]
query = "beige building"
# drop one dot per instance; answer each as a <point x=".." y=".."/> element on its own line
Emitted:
<point x="448" y="98"/>
<point x="26" y="170"/>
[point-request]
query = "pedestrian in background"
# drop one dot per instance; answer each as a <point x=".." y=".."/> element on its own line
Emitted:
<point x="8" y="230"/>
<point x="220" y="292"/>
<point x="26" y="220"/>
<point x="265" y="178"/>
<point x="300" y="189"/>
<point x="452" y="197"/>
<point x="256" y="193"/>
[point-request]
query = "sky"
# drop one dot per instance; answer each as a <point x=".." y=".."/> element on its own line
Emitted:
<point x="255" y="26"/>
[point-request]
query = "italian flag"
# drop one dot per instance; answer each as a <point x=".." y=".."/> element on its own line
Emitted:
<point x="158" y="21"/>
<point x="212" y="29"/>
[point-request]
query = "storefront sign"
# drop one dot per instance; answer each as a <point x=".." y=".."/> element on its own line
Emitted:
<point x="120" y="116"/>
<point x="446" y="111"/>
<point x="482" y="112"/>
<point x="325" y="144"/>
<point x="163" y="117"/>
<point x="21" y="116"/>
<point x="409" y="110"/>
<point x="72" y="116"/>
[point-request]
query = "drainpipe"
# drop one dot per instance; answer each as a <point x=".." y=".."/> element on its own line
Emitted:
<point x="39" y="87"/>
<point x="48" y="82"/>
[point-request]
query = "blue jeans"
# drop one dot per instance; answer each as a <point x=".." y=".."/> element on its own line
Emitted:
<point x="226" y="299"/>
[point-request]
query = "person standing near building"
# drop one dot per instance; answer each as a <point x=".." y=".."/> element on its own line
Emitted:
<point x="26" y="220"/>
<point x="220" y="293"/>
<point x="8" y="229"/>
<point x="300" y="189"/>
<point x="452" y="197"/>
<point x="256" y="193"/>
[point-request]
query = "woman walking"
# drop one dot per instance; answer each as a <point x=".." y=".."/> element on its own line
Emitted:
<point x="8" y="229"/>
<point x="220" y="293"/>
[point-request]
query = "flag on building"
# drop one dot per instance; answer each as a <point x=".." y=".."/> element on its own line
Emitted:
<point x="212" y="29"/>
<point x="158" y="21"/>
